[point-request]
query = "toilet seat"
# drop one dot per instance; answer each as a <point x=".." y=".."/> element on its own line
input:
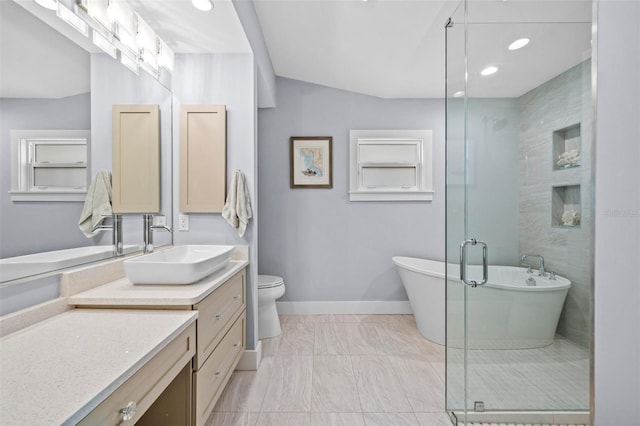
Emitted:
<point x="269" y="281"/>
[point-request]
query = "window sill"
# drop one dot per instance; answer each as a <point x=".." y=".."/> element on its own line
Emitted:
<point x="74" y="197"/>
<point x="391" y="196"/>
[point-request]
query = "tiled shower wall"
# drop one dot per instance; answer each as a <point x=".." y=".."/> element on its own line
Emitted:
<point x="560" y="103"/>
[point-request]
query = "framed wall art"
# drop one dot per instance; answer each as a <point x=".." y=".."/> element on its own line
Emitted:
<point x="311" y="161"/>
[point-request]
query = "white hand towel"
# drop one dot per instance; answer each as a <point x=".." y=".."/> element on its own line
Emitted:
<point x="97" y="205"/>
<point x="237" y="208"/>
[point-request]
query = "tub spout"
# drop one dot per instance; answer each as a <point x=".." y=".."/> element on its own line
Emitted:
<point x="541" y="271"/>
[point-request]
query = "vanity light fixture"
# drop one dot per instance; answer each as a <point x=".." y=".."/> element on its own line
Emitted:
<point x="121" y="13"/>
<point x="519" y="44"/>
<point x="489" y="70"/>
<point x="146" y="37"/>
<point x="130" y="63"/>
<point x="98" y="11"/>
<point x="104" y="44"/>
<point x="48" y="4"/>
<point x="166" y="57"/>
<point x="72" y="19"/>
<point x="118" y="28"/>
<point x="203" y="5"/>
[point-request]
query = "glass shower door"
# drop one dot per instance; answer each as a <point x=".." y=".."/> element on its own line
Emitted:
<point x="518" y="179"/>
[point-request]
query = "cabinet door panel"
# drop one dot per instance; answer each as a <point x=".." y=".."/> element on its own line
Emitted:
<point x="136" y="159"/>
<point x="202" y="158"/>
<point x="210" y="380"/>
<point x="216" y="312"/>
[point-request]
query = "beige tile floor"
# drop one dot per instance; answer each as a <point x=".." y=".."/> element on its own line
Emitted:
<point x="351" y="370"/>
<point x="334" y="370"/>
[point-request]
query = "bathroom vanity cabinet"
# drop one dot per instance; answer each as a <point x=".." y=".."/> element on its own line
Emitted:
<point x="133" y="402"/>
<point x="220" y="344"/>
<point x="220" y="301"/>
<point x="98" y="367"/>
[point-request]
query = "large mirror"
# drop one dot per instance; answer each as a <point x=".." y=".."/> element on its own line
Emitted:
<point x="52" y="81"/>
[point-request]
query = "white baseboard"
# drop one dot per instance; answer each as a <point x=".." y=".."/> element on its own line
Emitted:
<point x="250" y="359"/>
<point x="344" y="308"/>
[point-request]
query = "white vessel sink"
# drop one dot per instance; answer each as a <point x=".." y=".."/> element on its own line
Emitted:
<point x="178" y="265"/>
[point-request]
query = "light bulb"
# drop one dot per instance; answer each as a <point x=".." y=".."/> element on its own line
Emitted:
<point x="203" y="5"/>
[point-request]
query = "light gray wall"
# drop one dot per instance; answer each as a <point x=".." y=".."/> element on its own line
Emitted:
<point x="34" y="227"/>
<point x="617" y="216"/>
<point x="325" y="247"/>
<point x="557" y="104"/>
<point x="222" y="79"/>
<point x="329" y="249"/>
<point x="113" y="84"/>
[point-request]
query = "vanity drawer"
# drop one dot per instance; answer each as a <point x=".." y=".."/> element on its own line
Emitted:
<point x="215" y="314"/>
<point x="209" y="381"/>
<point x="147" y="384"/>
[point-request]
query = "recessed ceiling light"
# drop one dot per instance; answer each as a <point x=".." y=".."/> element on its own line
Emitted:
<point x="49" y="4"/>
<point x="458" y="94"/>
<point x="203" y="5"/>
<point x="489" y="70"/>
<point x="519" y="44"/>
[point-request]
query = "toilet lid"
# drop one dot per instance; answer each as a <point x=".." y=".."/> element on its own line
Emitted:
<point x="268" y="281"/>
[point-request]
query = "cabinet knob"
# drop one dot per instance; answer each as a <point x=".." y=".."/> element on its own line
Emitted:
<point x="129" y="411"/>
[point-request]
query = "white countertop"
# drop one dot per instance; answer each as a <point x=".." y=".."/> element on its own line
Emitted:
<point x="122" y="293"/>
<point x="59" y="370"/>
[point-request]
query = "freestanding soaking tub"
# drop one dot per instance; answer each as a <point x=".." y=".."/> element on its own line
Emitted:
<point x="505" y="313"/>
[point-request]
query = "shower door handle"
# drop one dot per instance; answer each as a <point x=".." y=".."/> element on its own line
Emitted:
<point x="463" y="262"/>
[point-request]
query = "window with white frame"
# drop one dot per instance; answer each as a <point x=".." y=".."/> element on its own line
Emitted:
<point x="390" y="165"/>
<point x="49" y="165"/>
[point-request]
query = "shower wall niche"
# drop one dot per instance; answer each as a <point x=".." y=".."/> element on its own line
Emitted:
<point x="566" y="208"/>
<point x="566" y="147"/>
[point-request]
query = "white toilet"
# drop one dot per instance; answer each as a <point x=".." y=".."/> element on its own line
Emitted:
<point x="270" y="288"/>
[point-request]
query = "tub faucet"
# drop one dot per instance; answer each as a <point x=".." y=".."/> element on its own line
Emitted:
<point x="541" y="271"/>
<point x="116" y="234"/>
<point x="147" y="232"/>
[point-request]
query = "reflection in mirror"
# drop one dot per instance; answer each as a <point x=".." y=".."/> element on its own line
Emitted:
<point x="49" y="82"/>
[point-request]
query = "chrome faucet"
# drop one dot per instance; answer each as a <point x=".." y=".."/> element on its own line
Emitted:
<point x="541" y="271"/>
<point x="116" y="235"/>
<point x="148" y="228"/>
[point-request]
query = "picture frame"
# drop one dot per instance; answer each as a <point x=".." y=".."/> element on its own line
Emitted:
<point x="311" y="161"/>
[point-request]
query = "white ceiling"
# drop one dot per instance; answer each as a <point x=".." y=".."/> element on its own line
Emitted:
<point x="396" y="48"/>
<point x="384" y="48"/>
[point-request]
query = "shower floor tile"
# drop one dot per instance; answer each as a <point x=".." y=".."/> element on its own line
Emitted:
<point x="366" y="370"/>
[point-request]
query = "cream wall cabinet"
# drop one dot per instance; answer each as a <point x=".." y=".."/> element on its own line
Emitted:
<point x="203" y="161"/>
<point x="136" y="159"/>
